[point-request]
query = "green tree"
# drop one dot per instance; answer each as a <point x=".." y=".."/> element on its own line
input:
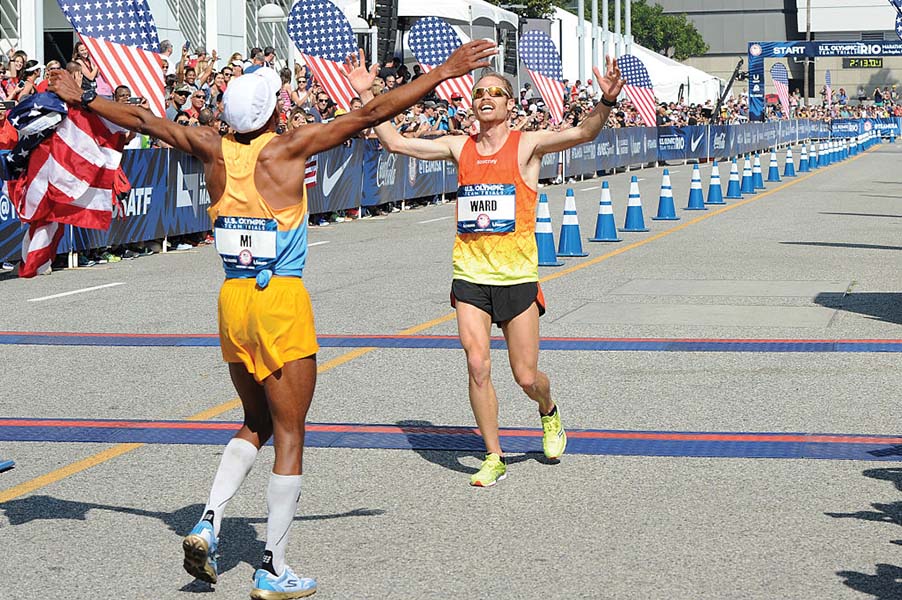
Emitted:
<point x="530" y="9"/>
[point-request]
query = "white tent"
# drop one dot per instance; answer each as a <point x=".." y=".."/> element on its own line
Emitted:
<point x="666" y="75"/>
<point x="462" y="14"/>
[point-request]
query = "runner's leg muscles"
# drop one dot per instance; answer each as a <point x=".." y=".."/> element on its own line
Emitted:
<point x="474" y="327"/>
<point x="257" y="427"/>
<point x="522" y="336"/>
<point x="290" y="391"/>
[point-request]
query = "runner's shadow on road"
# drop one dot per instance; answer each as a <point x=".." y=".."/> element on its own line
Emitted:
<point x="882" y="306"/>
<point x="445" y="446"/>
<point x="886" y="583"/>
<point x="239" y="541"/>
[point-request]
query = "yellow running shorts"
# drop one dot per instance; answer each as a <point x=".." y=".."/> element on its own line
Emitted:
<point x="265" y="328"/>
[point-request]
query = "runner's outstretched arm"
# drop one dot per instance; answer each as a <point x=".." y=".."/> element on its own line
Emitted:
<point x="611" y="85"/>
<point x="316" y="138"/>
<point x="199" y="141"/>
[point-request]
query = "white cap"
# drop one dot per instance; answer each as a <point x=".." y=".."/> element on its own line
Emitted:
<point x="249" y="101"/>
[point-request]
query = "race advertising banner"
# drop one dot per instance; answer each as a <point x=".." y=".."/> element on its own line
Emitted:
<point x="339" y="179"/>
<point x="424" y="177"/>
<point x="450" y="185"/>
<point x="188" y="212"/>
<point x="550" y="162"/>
<point x="143" y="215"/>
<point x="606" y="150"/>
<point x="761" y="51"/>
<point x="718" y="142"/>
<point x="11" y="229"/>
<point x="369" y="195"/>
<point x="390" y="174"/>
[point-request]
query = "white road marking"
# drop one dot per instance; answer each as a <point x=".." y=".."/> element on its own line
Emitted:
<point x="90" y="289"/>
<point x="432" y="220"/>
<point x="589" y="189"/>
<point x="317" y="243"/>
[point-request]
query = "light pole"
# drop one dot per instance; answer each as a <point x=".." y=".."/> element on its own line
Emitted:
<point x="272" y="13"/>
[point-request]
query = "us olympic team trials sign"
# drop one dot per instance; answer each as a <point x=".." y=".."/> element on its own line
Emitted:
<point x="759" y="51"/>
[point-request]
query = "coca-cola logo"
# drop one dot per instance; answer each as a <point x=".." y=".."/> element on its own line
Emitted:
<point x="386" y="170"/>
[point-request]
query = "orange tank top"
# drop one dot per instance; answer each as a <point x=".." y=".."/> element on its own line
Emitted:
<point x="496" y="218"/>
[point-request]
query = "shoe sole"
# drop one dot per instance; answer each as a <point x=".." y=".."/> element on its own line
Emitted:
<point x="196" y="563"/>
<point x="270" y="595"/>
<point x="484" y="485"/>
<point x="561" y="452"/>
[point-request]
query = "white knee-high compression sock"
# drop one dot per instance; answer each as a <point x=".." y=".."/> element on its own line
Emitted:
<point x="282" y="497"/>
<point x="237" y="459"/>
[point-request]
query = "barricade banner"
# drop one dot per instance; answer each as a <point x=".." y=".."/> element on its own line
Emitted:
<point x="606" y="150"/>
<point x="450" y="181"/>
<point x="719" y="142"/>
<point x="149" y="212"/>
<point x="548" y="170"/>
<point x="424" y="178"/>
<point x="369" y="193"/>
<point x="673" y="143"/>
<point x="11" y="229"/>
<point x="339" y="179"/>
<point x="650" y="134"/>
<point x="844" y="128"/>
<point x="390" y="173"/>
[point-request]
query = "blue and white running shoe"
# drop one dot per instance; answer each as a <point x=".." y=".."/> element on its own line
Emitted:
<point x="200" y="552"/>
<point x="285" y="587"/>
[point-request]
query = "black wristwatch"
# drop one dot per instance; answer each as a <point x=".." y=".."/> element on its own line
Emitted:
<point x="607" y="102"/>
<point x="87" y="97"/>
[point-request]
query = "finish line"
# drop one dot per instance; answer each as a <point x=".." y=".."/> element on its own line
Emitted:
<point x="420" y="436"/>
<point x="12" y="338"/>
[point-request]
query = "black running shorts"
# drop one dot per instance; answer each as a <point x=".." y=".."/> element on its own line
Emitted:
<point x="501" y="302"/>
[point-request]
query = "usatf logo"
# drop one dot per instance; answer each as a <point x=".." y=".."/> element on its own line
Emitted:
<point x="868" y="125"/>
<point x="755" y="50"/>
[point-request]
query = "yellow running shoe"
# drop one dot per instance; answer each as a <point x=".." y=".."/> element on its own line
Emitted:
<point x="492" y="471"/>
<point x="554" y="438"/>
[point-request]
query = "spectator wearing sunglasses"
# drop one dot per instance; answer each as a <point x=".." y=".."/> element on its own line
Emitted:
<point x="323" y="108"/>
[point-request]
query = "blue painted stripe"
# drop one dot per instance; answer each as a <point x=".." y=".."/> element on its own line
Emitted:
<point x="451" y="342"/>
<point x="428" y="438"/>
<point x="6" y="465"/>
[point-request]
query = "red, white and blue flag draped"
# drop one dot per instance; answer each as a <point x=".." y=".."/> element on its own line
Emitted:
<point x="310" y="172"/>
<point x="62" y="169"/>
<point x="899" y="25"/>
<point x="432" y="41"/>
<point x="539" y="54"/>
<point x="780" y="76"/>
<point x="121" y="37"/>
<point x="639" y="88"/>
<point x="897" y="4"/>
<point x="324" y="37"/>
<point x="828" y="88"/>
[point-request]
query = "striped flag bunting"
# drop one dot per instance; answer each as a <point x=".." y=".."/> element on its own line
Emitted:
<point x="432" y="41"/>
<point x="780" y="76"/>
<point x="639" y="88"/>
<point x="121" y="37"/>
<point x="324" y="37"/>
<point x="539" y="54"/>
<point x="64" y="167"/>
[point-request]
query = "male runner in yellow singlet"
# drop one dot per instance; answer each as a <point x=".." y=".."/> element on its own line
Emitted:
<point x="495" y="254"/>
<point x="256" y="182"/>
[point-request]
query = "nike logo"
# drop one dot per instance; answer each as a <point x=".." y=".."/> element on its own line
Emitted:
<point x="329" y="181"/>
<point x="696" y="142"/>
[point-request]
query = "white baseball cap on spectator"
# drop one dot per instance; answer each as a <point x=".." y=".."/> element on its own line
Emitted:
<point x="249" y="101"/>
<point x="32" y="66"/>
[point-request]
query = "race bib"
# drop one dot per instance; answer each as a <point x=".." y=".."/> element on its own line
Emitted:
<point x="486" y="208"/>
<point x="246" y="243"/>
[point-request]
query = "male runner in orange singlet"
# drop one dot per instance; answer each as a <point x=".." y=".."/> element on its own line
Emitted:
<point x="495" y="255"/>
<point x="256" y="181"/>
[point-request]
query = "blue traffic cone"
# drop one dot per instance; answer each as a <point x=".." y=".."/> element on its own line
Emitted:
<point x="544" y="235"/>
<point x="635" y="220"/>
<point x="823" y="154"/>
<point x="803" y="161"/>
<point x="845" y="149"/>
<point x="757" y="178"/>
<point x="715" y="191"/>
<point x="773" y="169"/>
<point x="748" y="186"/>
<point x="831" y="154"/>
<point x="605" y="229"/>
<point x="666" y="210"/>
<point x="812" y="157"/>
<point x="696" y="198"/>
<point x="789" y="168"/>
<point x="733" y="189"/>
<point x="571" y="242"/>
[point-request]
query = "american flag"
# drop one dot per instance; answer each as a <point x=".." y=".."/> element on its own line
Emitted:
<point x="899" y="25"/>
<point x="828" y="88"/>
<point x="780" y="76"/>
<point x="64" y="166"/>
<point x="432" y="42"/>
<point x="121" y="37"/>
<point x="541" y="57"/>
<point x="639" y="88"/>
<point x="897" y="4"/>
<point x="310" y="172"/>
<point x="324" y="37"/>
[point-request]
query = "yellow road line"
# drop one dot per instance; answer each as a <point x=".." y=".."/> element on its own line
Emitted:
<point x="120" y="449"/>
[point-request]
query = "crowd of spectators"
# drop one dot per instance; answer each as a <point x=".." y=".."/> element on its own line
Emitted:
<point x="195" y="82"/>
